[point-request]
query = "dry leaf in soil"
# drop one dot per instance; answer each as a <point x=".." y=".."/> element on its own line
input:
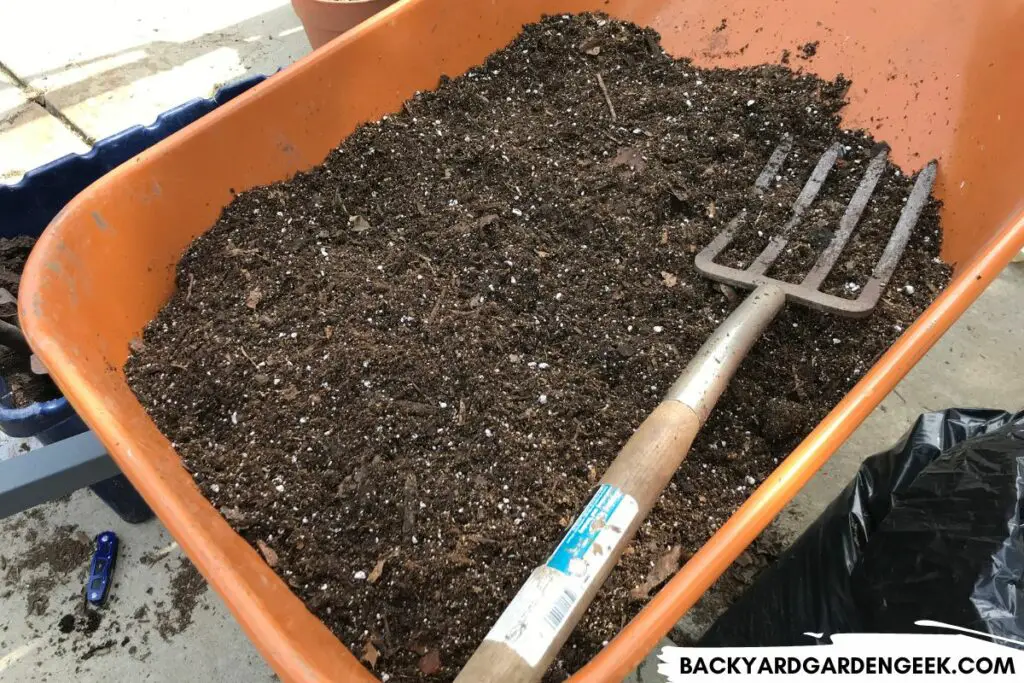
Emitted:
<point x="268" y="553"/>
<point x="254" y="298"/>
<point x="591" y="46"/>
<point x="486" y="220"/>
<point x="729" y="292"/>
<point x="233" y="514"/>
<point x="370" y="654"/>
<point x="665" y="567"/>
<point x="359" y="224"/>
<point x="628" y="156"/>
<point x="430" y="663"/>
<point x="378" y="568"/>
<point x="668" y="279"/>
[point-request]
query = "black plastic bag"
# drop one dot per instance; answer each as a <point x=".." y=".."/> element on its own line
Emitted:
<point x="930" y="529"/>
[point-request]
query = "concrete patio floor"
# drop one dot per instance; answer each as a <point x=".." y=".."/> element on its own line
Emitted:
<point x="162" y="623"/>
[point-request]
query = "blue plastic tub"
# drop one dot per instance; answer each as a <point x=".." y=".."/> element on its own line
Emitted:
<point x="41" y="418"/>
<point x="28" y="206"/>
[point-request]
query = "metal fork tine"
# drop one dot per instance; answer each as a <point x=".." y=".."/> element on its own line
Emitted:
<point x="807" y="195"/>
<point x="848" y="223"/>
<point x="717" y="245"/>
<point x="818" y="177"/>
<point x="771" y="169"/>
<point x="901" y="235"/>
<point x="724" y="237"/>
<point x="807" y="293"/>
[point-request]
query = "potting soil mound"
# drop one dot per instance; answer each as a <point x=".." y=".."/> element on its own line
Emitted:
<point x="400" y="374"/>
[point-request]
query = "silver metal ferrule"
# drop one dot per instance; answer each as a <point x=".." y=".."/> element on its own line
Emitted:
<point x="708" y="373"/>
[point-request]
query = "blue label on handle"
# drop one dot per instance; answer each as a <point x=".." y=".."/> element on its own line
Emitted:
<point x="584" y="531"/>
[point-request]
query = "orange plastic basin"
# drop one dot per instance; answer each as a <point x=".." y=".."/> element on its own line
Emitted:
<point x="936" y="78"/>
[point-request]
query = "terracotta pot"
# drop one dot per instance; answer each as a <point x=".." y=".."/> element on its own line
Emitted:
<point x="324" y="20"/>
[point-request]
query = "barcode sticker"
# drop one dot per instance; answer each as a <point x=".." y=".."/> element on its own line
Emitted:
<point x="542" y="606"/>
<point x="533" y="618"/>
<point x="561" y="608"/>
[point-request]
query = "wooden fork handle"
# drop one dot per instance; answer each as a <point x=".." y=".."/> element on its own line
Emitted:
<point x="640" y="472"/>
<point x="535" y="625"/>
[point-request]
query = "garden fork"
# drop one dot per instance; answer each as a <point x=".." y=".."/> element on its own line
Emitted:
<point x="535" y="625"/>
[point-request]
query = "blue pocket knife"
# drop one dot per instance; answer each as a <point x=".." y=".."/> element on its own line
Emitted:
<point x="101" y="569"/>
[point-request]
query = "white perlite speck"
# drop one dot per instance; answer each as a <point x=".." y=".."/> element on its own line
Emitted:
<point x="359" y="575"/>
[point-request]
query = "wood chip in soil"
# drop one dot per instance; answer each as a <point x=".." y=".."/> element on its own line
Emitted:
<point x="439" y="338"/>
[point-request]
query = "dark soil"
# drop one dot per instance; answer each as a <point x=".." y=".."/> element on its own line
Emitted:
<point x="400" y="374"/>
<point x="808" y="50"/>
<point x="51" y="572"/>
<point x="97" y="649"/>
<point x="23" y="386"/>
<point x="187" y="586"/>
<point x="62" y="553"/>
<point x="46" y="566"/>
<point x="66" y="623"/>
<point x="91" y="620"/>
<point x="14" y="252"/>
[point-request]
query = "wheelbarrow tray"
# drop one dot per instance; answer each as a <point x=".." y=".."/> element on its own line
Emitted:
<point x="935" y="78"/>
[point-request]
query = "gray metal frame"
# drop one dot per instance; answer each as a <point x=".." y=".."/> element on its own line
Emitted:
<point x="53" y="471"/>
